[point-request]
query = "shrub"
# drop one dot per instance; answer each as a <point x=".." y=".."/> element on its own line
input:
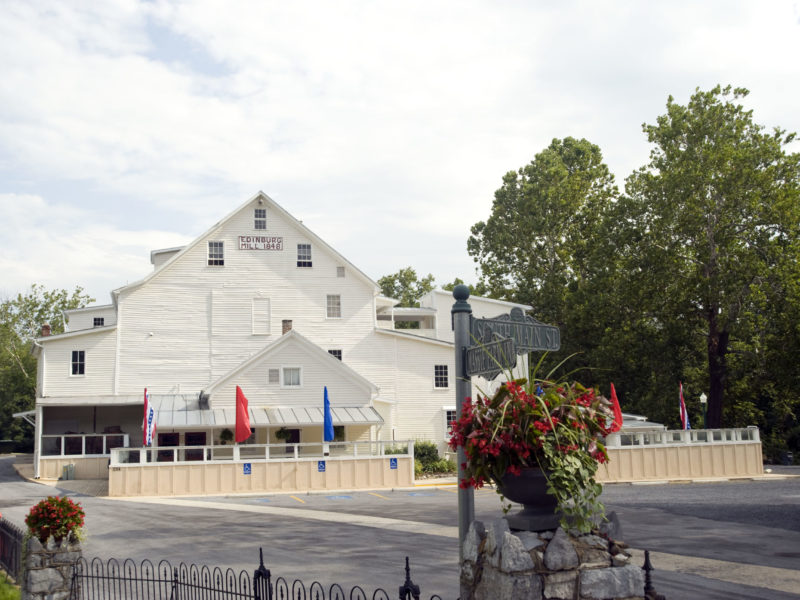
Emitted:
<point x="417" y="468"/>
<point x="396" y="450"/>
<point x="440" y="466"/>
<point x="426" y="452"/>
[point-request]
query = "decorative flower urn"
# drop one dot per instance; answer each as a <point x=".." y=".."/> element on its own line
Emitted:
<point x="529" y="489"/>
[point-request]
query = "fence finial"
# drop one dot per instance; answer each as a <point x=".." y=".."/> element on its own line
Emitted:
<point x="409" y="589"/>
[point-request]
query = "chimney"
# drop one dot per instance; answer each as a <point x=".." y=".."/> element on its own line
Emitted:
<point x="46" y="330"/>
<point x="287" y="326"/>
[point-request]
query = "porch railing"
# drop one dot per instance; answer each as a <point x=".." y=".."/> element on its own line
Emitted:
<point x="260" y="452"/>
<point x="683" y="437"/>
<point x="82" y="444"/>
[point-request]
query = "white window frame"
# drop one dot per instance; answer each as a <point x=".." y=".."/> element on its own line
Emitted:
<point x="437" y="377"/>
<point x="80" y="363"/>
<point x="216" y="253"/>
<point x="285" y="368"/>
<point x="260" y="221"/>
<point x="304" y="256"/>
<point x="261" y="315"/>
<point x="328" y="306"/>
<point x="446" y="410"/>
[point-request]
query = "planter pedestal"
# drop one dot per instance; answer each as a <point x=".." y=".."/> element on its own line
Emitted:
<point x="538" y="507"/>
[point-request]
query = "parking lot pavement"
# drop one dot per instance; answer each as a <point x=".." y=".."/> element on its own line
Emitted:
<point x="732" y="540"/>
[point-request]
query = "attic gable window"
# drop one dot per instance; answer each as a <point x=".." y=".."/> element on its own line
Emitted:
<point x="99" y="321"/>
<point x="260" y="218"/>
<point x="216" y="254"/>
<point x="303" y="255"/>
<point x="334" y="306"/>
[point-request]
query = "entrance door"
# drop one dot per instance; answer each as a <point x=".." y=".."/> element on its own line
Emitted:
<point x="195" y="438"/>
<point x="166" y="440"/>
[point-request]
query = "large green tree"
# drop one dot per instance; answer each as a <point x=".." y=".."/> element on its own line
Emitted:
<point x="539" y="245"/>
<point x="406" y="286"/>
<point x="708" y="234"/>
<point x="21" y="319"/>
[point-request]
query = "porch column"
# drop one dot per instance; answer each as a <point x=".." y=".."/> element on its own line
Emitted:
<point x="37" y="440"/>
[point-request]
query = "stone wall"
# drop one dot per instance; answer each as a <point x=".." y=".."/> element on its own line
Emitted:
<point x="499" y="563"/>
<point x="47" y="570"/>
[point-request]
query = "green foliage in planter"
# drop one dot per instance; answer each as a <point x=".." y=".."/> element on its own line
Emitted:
<point x="282" y="434"/>
<point x="226" y="435"/>
<point x="396" y="450"/>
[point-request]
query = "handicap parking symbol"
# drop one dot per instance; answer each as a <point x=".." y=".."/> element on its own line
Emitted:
<point x="392" y="463"/>
<point x="248" y="468"/>
<point x="320" y="466"/>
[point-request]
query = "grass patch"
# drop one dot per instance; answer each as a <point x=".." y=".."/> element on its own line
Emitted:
<point x="8" y="591"/>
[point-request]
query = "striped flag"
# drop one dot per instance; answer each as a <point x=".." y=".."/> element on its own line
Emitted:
<point x="684" y="415"/>
<point x="149" y="424"/>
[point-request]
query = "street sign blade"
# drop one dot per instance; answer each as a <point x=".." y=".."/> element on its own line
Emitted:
<point x="528" y="334"/>
<point x="491" y="358"/>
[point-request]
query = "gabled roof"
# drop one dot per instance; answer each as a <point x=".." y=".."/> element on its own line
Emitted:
<point x="288" y="338"/>
<point x="70" y="334"/>
<point x="403" y="333"/>
<point x="483" y="299"/>
<point x="91" y="308"/>
<point x="274" y="205"/>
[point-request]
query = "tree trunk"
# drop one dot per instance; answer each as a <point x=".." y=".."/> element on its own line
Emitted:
<point x="717" y="370"/>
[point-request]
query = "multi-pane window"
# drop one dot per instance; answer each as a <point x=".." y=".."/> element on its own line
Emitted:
<point x="440" y="376"/>
<point x="99" y="321"/>
<point x="260" y="218"/>
<point x="216" y="254"/>
<point x="340" y="271"/>
<point x="303" y="255"/>
<point x="336" y="353"/>
<point x="449" y="419"/>
<point x="292" y="377"/>
<point x="274" y="376"/>
<point x="334" y="304"/>
<point x="78" y="362"/>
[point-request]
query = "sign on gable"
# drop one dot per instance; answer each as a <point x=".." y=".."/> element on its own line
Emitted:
<point x="260" y="242"/>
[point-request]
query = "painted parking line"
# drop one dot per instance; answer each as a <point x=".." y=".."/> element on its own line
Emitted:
<point x="377" y="495"/>
<point x="298" y="499"/>
<point x="420" y="494"/>
<point x="263" y="500"/>
<point x="339" y="497"/>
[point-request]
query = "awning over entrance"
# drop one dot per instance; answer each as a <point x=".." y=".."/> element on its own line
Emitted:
<point x="342" y="415"/>
<point x="183" y="411"/>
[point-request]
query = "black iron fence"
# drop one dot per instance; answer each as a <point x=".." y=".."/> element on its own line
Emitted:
<point x="112" y="580"/>
<point x="11" y="548"/>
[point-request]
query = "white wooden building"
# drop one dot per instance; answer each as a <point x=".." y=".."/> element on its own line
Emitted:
<point x="257" y="301"/>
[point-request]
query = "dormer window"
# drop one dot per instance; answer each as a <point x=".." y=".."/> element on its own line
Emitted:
<point x="216" y="254"/>
<point x="260" y="221"/>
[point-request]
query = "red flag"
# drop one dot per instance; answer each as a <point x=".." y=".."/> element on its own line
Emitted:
<point x="242" y="416"/>
<point x="617" y="425"/>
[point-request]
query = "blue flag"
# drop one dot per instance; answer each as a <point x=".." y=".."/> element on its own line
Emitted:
<point x="327" y="420"/>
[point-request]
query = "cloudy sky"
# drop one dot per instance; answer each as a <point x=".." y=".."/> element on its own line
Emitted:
<point x="386" y="127"/>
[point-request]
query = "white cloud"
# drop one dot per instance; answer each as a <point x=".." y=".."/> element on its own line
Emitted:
<point x="388" y="124"/>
